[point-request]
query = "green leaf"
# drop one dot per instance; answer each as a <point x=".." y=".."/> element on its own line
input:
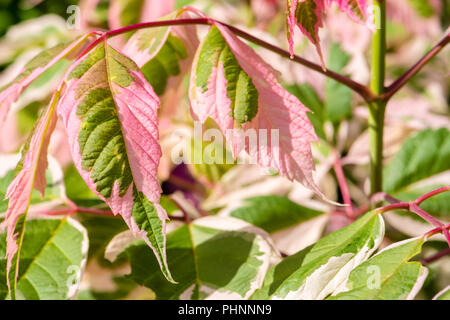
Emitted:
<point x="279" y="273"/>
<point x="329" y="262"/>
<point x="213" y="257"/>
<point x="423" y="7"/>
<point x="422" y="156"/>
<point x="273" y="213"/>
<point x="388" y="275"/>
<point x="52" y="259"/>
<point x="338" y="97"/>
<point x="165" y="64"/>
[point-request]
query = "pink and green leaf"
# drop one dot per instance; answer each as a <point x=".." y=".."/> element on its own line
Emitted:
<point x="357" y="10"/>
<point x="231" y="84"/>
<point x="33" y="69"/>
<point x="31" y="174"/>
<point x="123" y="13"/>
<point x="164" y="54"/>
<point x="307" y="16"/>
<point x="110" y="114"/>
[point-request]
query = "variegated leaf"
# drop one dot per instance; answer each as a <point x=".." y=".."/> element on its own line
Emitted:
<point x="307" y="15"/>
<point x="33" y="69"/>
<point x="389" y="275"/>
<point x="329" y="262"/>
<point x="231" y="84"/>
<point x="53" y="257"/>
<point x="212" y="258"/>
<point x="110" y="114"/>
<point x="164" y="54"/>
<point x="31" y="174"/>
<point x="357" y="10"/>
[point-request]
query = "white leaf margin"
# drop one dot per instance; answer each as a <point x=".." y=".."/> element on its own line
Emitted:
<point x="270" y="257"/>
<point x="332" y="275"/>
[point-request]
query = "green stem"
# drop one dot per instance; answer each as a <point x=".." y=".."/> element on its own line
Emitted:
<point x="377" y="108"/>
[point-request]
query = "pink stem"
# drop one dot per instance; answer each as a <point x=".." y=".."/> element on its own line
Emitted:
<point x="362" y="90"/>
<point x="76" y="209"/>
<point x="425" y="215"/>
<point x="421" y="199"/>
<point x="185" y="217"/>
<point x="400" y="82"/>
<point x="437" y="230"/>
<point x="394" y="206"/>
<point x="382" y="196"/>
<point x="56" y="212"/>
<point x="435" y="257"/>
<point x="337" y="166"/>
<point x="95" y="211"/>
<point x="443" y="229"/>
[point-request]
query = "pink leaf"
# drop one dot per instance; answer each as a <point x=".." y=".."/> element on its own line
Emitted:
<point x="110" y="115"/>
<point x="357" y="10"/>
<point x="32" y="174"/>
<point x="32" y="71"/>
<point x="279" y="112"/>
<point x="124" y="12"/>
<point x="146" y="44"/>
<point x="307" y="16"/>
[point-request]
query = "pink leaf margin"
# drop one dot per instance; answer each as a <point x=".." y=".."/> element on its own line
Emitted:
<point x="292" y="22"/>
<point x="31" y="175"/>
<point x="277" y="110"/>
<point x="137" y="107"/>
<point x="12" y="93"/>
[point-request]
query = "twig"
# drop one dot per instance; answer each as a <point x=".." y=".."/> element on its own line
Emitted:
<point x="443" y="229"/>
<point x="424" y="215"/>
<point x="382" y="196"/>
<point x="185" y="217"/>
<point x="421" y="199"/>
<point x="400" y="82"/>
<point x="362" y="90"/>
<point x="435" y="257"/>
<point x="337" y="166"/>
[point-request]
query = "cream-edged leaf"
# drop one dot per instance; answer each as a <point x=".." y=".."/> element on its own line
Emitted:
<point x="53" y="255"/>
<point x="211" y="257"/>
<point x="31" y="174"/>
<point x="329" y="262"/>
<point x="389" y="275"/>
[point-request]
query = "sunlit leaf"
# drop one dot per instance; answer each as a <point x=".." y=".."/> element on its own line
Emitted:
<point x="231" y="84"/>
<point x="203" y="270"/>
<point x="329" y="262"/>
<point x="110" y="114"/>
<point x="53" y="258"/>
<point x="388" y="275"/>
